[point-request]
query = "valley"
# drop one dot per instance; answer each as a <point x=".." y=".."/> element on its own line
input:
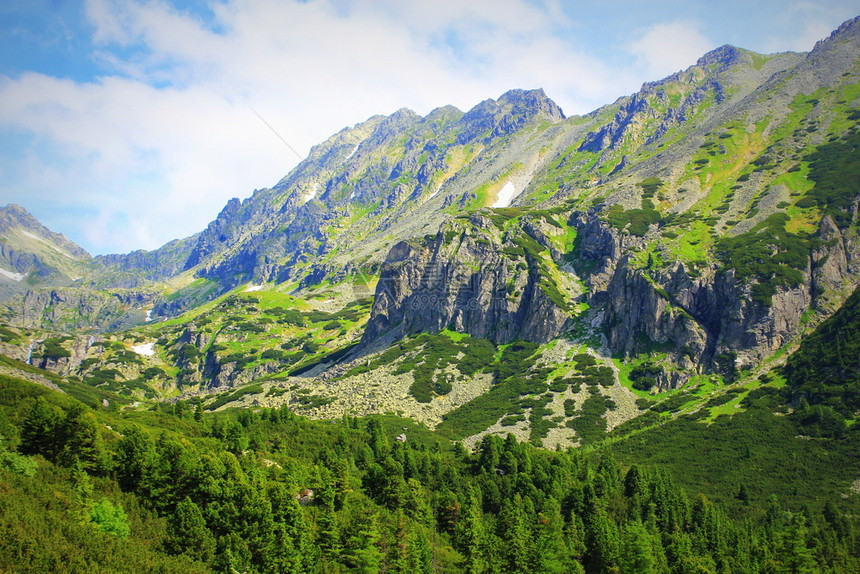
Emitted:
<point x="629" y="335"/>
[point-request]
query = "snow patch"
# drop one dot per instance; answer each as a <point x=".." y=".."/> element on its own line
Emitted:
<point x="144" y="350"/>
<point x="506" y="195"/>
<point x="432" y="195"/>
<point x="251" y="288"/>
<point x="311" y="194"/>
<point x="148" y="315"/>
<point x="12" y="275"/>
<point x="352" y="153"/>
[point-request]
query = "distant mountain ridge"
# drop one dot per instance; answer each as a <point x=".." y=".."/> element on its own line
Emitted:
<point x="30" y="253"/>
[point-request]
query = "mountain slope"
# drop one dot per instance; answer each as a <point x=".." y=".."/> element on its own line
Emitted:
<point x="717" y="248"/>
<point x="697" y="228"/>
<point x="31" y="254"/>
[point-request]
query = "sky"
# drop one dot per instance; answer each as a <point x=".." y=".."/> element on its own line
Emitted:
<point x="125" y="124"/>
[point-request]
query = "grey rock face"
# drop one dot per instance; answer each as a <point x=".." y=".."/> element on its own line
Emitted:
<point x="496" y="118"/>
<point x="469" y="279"/>
<point x="15" y="218"/>
<point x="703" y="320"/>
<point x="464" y="280"/>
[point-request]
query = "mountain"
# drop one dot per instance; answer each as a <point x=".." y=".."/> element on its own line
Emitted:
<point x="698" y="227"/>
<point x="51" y="281"/>
<point x="31" y="254"/>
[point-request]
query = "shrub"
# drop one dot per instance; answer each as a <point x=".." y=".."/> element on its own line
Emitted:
<point x="768" y="254"/>
<point x="644" y="376"/>
<point x="18" y="463"/>
<point x="52" y="348"/>
<point x="650" y="186"/>
<point x="835" y="169"/>
<point x="153" y="372"/>
<point x="638" y="220"/>
<point x="110" y="518"/>
<point x="7" y="336"/>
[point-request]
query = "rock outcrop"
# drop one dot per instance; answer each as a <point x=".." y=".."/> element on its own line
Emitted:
<point x="468" y="279"/>
<point x="707" y="321"/>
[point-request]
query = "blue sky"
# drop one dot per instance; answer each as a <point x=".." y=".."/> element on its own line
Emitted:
<point x="127" y="123"/>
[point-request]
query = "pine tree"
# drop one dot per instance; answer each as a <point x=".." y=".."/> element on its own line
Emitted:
<point x="233" y="553"/>
<point x="39" y="430"/>
<point x="397" y="561"/>
<point x="187" y="532"/>
<point x="379" y="443"/>
<point x="361" y="552"/>
<point x="282" y="555"/>
<point x="110" y="518"/>
<point x="637" y="554"/>
<point x="547" y="551"/>
<point x="82" y="486"/>
<point x="80" y="433"/>
<point x="235" y="439"/>
<point x="489" y="453"/>
<point x="448" y="511"/>
<point x="604" y="545"/>
<point x="395" y="492"/>
<point x="795" y="554"/>
<point x="574" y="536"/>
<point x="328" y="534"/>
<point x="633" y="482"/>
<point x="514" y="531"/>
<point x="840" y="524"/>
<point x="743" y="494"/>
<point x="421" y="554"/>
<point x="134" y="456"/>
<point x="340" y="481"/>
<point x="292" y="540"/>
<point x="471" y="536"/>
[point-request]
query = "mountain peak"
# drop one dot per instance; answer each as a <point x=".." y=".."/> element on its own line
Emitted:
<point x="509" y="113"/>
<point x="15" y="220"/>
<point x="848" y="28"/>
<point x="725" y="55"/>
<point x="535" y="100"/>
<point x="15" y="214"/>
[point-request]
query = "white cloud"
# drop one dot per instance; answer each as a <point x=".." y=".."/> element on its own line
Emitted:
<point x="155" y="150"/>
<point x="151" y="162"/>
<point x="668" y="47"/>
<point x="809" y="22"/>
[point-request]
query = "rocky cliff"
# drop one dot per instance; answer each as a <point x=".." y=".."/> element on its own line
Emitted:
<point x="487" y="276"/>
